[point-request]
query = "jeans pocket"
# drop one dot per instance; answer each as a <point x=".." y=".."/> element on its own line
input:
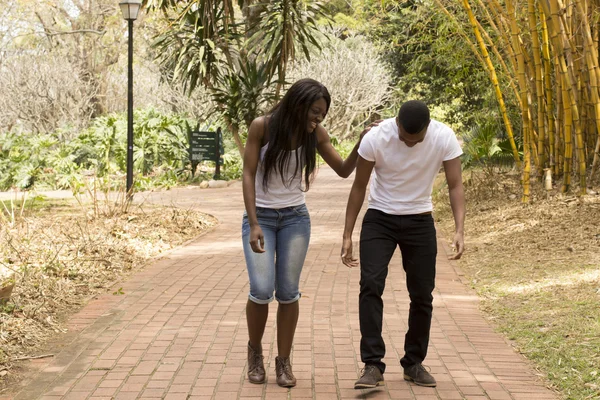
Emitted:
<point x="301" y="210"/>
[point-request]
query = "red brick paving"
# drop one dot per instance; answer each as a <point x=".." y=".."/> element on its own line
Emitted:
<point x="179" y="330"/>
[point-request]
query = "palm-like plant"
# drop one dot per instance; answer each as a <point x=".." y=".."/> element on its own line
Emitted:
<point x="241" y="95"/>
<point x="205" y="45"/>
<point x="200" y="42"/>
<point x="284" y="27"/>
<point x="483" y="147"/>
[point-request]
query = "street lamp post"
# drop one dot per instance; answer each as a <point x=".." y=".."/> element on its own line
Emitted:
<point x="130" y="9"/>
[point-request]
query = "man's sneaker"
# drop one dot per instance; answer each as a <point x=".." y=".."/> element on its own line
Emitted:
<point x="371" y="377"/>
<point x="419" y="375"/>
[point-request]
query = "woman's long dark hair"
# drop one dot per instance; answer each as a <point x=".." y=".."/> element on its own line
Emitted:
<point x="288" y="120"/>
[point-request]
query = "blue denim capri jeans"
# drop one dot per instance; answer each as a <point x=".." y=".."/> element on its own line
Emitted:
<point x="277" y="270"/>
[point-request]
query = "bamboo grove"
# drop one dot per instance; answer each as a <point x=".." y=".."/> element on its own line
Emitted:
<point x="544" y="55"/>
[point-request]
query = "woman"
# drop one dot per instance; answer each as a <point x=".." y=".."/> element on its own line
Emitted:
<point x="279" y="162"/>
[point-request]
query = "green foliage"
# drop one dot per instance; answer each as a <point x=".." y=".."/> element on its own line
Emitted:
<point x="195" y="46"/>
<point x="160" y="154"/>
<point x="235" y="59"/>
<point x="232" y="166"/>
<point x="241" y="95"/>
<point x="484" y="147"/>
<point x="23" y="158"/>
<point x="429" y="58"/>
<point x="284" y="26"/>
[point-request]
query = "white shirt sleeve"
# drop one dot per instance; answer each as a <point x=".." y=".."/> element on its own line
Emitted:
<point x="367" y="147"/>
<point x="453" y="149"/>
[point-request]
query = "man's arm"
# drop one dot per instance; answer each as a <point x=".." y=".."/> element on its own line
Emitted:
<point x="355" y="201"/>
<point x="453" y="172"/>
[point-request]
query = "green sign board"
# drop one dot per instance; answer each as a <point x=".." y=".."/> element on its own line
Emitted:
<point x="206" y="146"/>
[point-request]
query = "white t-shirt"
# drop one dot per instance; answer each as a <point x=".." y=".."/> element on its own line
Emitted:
<point x="403" y="176"/>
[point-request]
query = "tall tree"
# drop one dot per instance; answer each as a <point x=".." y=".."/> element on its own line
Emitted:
<point x="87" y="33"/>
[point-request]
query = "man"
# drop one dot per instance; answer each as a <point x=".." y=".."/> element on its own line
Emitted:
<point x="403" y="155"/>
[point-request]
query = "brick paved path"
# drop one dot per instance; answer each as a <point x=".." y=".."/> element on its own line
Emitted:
<point x="179" y="330"/>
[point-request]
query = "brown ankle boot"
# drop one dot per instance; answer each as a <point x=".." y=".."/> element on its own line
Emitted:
<point x="256" y="368"/>
<point x="283" y="369"/>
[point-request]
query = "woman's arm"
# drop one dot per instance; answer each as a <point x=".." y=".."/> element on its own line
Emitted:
<point x="330" y="155"/>
<point x="251" y="156"/>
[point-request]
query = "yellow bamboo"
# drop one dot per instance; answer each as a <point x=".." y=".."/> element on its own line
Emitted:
<point x="504" y="31"/>
<point x="499" y="15"/>
<point x="529" y="78"/>
<point x="568" y="21"/>
<point x="500" y="34"/>
<point x="461" y="32"/>
<point x="568" y="155"/>
<point x="557" y="27"/>
<point x="549" y="104"/>
<point x="563" y="25"/>
<point x="529" y="69"/>
<point x="549" y="53"/>
<point x="508" y="72"/>
<point x="539" y="84"/>
<point x="527" y="166"/>
<point x="522" y="79"/>
<point x="560" y="120"/>
<point x="494" y="80"/>
<point x="516" y="49"/>
<point x="512" y="49"/>
<point x="596" y="149"/>
<point x="591" y="58"/>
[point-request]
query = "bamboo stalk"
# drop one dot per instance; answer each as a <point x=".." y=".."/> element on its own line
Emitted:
<point x="539" y="84"/>
<point x="509" y="72"/>
<point x="591" y="58"/>
<point x="522" y="79"/>
<point x="560" y="120"/>
<point x="504" y="43"/>
<point x="568" y="150"/>
<point x="549" y="104"/>
<point x="557" y="25"/>
<point x="461" y="32"/>
<point x="494" y="79"/>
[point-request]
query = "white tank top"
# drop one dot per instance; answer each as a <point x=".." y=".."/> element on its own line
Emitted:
<point x="278" y="194"/>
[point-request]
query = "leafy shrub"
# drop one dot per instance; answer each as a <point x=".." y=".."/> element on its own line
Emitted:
<point x="485" y="147"/>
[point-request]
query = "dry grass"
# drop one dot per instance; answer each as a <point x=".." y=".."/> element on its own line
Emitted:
<point x="537" y="268"/>
<point x="62" y="253"/>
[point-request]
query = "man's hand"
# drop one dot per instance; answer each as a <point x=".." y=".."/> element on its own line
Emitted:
<point x="368" y="128"/>
<point x="347" y="258"/>
<point x="458" y="244"/>
<point x="257" y="239"/>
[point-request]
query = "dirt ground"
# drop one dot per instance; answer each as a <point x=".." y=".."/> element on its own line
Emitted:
<point x="63" y="254"/>
<point x="537" y="268"/>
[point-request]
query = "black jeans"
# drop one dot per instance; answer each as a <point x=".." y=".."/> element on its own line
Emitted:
<point x="416" y="237"/>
